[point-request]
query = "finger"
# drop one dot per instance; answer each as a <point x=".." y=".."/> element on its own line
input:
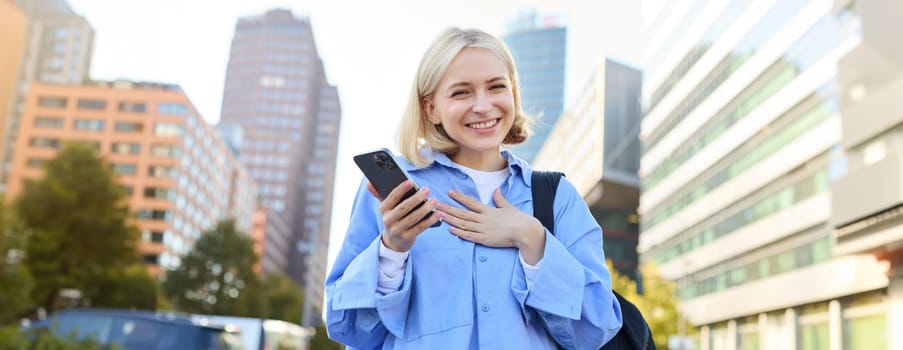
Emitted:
<point x="414" y="201"/>
<point x="499" y="199"/>
<point x="467" y="201"/>
<point x="429" y="221"/>
<point x="466" y="235"/>
<point x="396" y="215"/>
<point x="414" y="216"/>
<point x="395" y="197"/>
<point x="463" y="214"/>
<point x="373" y="191"/>
<point x="458" y="222"/>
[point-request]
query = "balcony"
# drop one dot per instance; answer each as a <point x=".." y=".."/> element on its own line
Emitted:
<point x="867" y="208"/>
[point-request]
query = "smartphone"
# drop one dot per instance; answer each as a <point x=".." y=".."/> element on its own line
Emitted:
<point x="384" y="174"/>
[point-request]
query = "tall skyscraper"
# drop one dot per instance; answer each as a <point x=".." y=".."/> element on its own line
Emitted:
<point x="771" y="171"/>
<point x="58" y="48"/>
<point x="595" y="143"/>
<point x="276" y="91"/>
<point x="180" y="176"/>
<point x="538" y="45"/>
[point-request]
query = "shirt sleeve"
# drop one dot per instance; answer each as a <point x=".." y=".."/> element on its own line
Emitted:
<point x="530" y="271"/>
<point x="356" y="313"/>
<point x="391" y="269"/>
<point x="572" y="292"/>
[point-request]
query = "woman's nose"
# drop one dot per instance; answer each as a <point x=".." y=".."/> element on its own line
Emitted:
<point x="483" y="103"/>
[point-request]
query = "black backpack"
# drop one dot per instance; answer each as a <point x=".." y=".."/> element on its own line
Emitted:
<point x="635" y="332"/>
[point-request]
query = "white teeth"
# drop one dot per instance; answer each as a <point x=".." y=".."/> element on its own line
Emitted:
<point x="484" y="125"/>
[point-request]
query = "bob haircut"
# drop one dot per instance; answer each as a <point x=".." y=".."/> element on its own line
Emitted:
<point x="416" y="131"/>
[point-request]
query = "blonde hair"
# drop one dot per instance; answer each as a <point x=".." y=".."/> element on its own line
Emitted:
<point x="416" y="131"/>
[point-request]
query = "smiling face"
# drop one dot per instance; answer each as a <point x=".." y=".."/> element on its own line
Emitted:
<point x="474" y="104"/>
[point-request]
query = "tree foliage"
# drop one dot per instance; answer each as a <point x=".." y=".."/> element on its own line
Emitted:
<point x="80" y="224"/>
<point x="284" y="298"/>
<point x="217" y="276"/>
<point x="658" y="303"/>
<point x="15" y="281"/>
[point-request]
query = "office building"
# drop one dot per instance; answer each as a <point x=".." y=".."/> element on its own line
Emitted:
<point x="595" y="143"/>
<point x="180" y="176"/>
<point x="276" y="91"/>
<point x="763" y="195"/>
<point x="13" y="30"/>
<point x="538" y="44"/>
<point x="58" y="49"/>
<point x="868" y="202"/>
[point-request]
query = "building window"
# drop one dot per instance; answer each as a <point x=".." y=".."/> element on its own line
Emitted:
<point x="89" y="124"/>
<point x="165" y="150"/>
<point x="43" y="142"/>
<point x="159" y="193"/>
<point x="49" y="123"/>
<point x="150" y="258"/>
<point x="35" y="162"/>
<point x="128" y="127"/>
<point x="168" y="130"/>
<point x="52" y="102"/>
<point x="92" y="104"/>
<point x="128" y="190"/>
<point x="125" y="148"/>
<point x="162" y="171"/>
<point x="135" y="107"/>
<point x="123" y="168"/>
<point x="172" y="109"/>
<point x="153" y="214"/>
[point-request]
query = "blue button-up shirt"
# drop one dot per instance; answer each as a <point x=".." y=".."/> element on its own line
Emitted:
<point x="461" y="295"/>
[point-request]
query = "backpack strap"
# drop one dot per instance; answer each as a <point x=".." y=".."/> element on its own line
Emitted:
<point x="635" y="332"/>
<point x="545" y="184"/>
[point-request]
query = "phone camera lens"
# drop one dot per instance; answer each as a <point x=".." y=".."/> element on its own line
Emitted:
<point x="382" y="161"/>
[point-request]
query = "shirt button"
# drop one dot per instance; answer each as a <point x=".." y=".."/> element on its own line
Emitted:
<point x="483" y="258"/>
<point x="485" y="307"/>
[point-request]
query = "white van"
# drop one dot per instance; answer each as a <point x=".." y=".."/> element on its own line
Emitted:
<point x="263" y="334"/>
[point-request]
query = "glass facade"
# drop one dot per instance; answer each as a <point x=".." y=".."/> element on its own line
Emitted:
<point x="539" y="53"/>
<point x="753" y="94"/>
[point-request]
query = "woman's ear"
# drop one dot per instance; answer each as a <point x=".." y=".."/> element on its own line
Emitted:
<point x="430" y="110"/>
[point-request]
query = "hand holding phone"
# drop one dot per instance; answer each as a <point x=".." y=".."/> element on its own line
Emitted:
<point x="385" y="175"/>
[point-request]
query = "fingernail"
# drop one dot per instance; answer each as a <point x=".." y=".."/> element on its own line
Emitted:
<point x="452" y="193"/>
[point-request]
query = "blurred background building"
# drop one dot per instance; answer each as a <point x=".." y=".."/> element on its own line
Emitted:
<point x="57" y="49"/>
<point x="288" y="115"/>
<point x="539" y="46"/>
<point x="595" y="143"/>
<point x="13" y="30"/>
<point x="179" y="174"/>
<point x="770" y="170"/>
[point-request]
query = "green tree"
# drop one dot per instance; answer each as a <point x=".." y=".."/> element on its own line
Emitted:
<point x="217" y="276"/>
<point x="80" y="224"/>
<point x="284" y="299"/>
<point x="658" y="303"/>
<point x="15" y="281"/>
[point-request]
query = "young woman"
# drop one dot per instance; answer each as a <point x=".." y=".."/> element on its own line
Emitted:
<point x="490" y="276"/>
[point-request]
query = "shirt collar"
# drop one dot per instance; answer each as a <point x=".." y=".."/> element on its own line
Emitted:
<point x="515" y="165"/>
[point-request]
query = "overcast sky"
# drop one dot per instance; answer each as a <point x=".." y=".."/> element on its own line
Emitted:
<point x="370" y="50"/>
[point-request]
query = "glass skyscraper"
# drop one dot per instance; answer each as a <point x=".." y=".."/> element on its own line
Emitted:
<point x="538" y="45"/>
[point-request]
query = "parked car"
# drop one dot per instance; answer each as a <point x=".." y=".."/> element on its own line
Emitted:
<point x="140" y="330"/>
<point x="264" y="334"/>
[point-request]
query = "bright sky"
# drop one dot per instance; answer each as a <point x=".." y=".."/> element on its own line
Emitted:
<point x="370" y="50"/>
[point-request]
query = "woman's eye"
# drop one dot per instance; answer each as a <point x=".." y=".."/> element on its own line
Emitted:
<point x="497" y="86"/>
<point x="458" y="93"/>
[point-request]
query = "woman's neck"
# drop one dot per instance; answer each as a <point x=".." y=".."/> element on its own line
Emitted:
<point x="486" y="161"/>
